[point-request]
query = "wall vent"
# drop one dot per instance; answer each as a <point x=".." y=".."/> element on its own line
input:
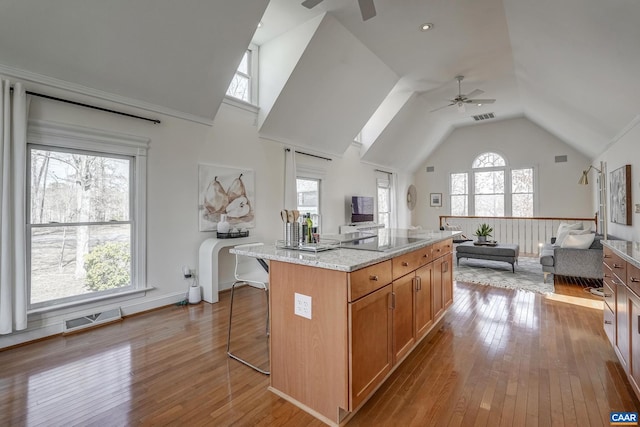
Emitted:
<point x="431" y="168"/>
<point x="561" y="159"/>
<point x="483" y="117"/>
<point x="72" y="325"/>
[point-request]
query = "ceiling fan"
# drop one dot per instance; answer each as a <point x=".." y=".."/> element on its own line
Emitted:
<point x="367" y="8"/>
<point x="462" y="99"/>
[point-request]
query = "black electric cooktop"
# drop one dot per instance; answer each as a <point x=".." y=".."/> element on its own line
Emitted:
<point x="381" y="243"/>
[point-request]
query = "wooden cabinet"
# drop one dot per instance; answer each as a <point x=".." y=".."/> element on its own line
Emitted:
<point x="363" y="324"/>
<point x="634" y="339"/>
<point x="447" y="280"/>
<point x="622" y="322"/>
<point x="423" y="307"/>
<point x="621" y="313"/>
<point x="371" y="343"/>
<point x="403" y="316"/>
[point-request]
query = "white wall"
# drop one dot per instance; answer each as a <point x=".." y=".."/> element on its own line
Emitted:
<point x="523" y="144"/>
<point x="625" y="150"/>
<point x="177" y="147"/>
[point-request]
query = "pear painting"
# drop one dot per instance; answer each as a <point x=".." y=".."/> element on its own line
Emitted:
<point x="225" y="193"/>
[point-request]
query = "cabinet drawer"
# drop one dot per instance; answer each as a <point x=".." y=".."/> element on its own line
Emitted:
<point x="405" y="264"/>
<point x="424" y="255"/>
<point x="442" y="248"/>
<point x="369" y="279"/>
<point x="609" y="324"/>
<point x="609" y="293"/>
<point x="633" y="278"/>
<point x="615" y="263"/>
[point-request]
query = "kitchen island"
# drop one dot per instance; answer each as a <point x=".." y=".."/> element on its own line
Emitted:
<point x="344" y="319"/>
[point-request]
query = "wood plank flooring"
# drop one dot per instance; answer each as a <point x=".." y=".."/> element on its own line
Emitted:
<point x="501" y="358"/>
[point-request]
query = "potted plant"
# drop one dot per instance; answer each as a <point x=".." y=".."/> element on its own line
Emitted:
<point x="483" y="231"/>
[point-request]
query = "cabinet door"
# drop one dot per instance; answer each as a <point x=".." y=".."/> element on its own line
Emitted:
<point x="403" y="326"/>
<point x="622" y="323"/>
<point x="436" y="287"/>
<point x="634" y="316"/>
<point x="424" y="313"/>
<point x="447" y="280"/>
<point x="371" y="343"/>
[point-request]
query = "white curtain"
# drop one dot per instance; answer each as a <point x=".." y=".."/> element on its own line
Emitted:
<point x="290" y="175"/>
<point x="395" y="199"/>
<point x="13" y="149"/>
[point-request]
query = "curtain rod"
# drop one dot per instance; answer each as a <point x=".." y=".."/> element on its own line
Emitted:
<point x="54" y="98"/>
<point x="380" y="170"/>
<point x="310" y="155"/>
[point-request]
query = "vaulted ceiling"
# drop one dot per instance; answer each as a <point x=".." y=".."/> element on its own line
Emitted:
<point x="572" y="67"/>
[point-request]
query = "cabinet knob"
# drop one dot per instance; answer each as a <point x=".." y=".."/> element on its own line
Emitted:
<point x="616" y="265"/>
<point x="607" y="322"/>
<point x="607" y="295"/>
<point x="425" y="256"/>
<point x="635" y="279"/>
<point x="606" y="256"/>
<point x="373" y="277"/>
<point x="405" y="264"/>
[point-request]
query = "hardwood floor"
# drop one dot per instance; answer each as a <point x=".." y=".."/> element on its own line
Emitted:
<point x="501" y="358"/>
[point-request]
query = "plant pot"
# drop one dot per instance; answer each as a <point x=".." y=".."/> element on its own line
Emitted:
<point x="482" y="239"/>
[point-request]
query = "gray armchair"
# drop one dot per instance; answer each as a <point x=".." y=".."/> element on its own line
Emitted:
<point x="585" y="263"/>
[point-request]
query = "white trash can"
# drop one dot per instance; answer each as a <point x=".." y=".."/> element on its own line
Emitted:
<point x="195" y="294"/>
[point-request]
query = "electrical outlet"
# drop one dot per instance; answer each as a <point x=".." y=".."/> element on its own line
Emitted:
<point x="302" y="305"/>
<point x="637" y="207"/>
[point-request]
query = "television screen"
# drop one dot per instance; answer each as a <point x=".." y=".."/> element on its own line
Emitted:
<point x="361" y="208"/>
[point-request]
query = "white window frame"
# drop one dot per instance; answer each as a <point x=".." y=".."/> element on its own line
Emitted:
<point x="253" y="61"/>
<point x="319" y="181"/>
<point x="508" y="209"/>
<point x="63" y="136"/>
<point x="386" y="184"/>
<point x="461" y="194"/>
<point x="533" y="192"/>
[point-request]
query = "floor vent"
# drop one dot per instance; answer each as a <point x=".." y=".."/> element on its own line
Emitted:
<point x="73" y="325"/>
<point x="483" y="117"/>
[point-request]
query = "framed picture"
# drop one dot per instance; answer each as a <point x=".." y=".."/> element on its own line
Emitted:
<point x="620" y="195"/>
<point x="435" y="199"/>
<point x="225" y="191"/>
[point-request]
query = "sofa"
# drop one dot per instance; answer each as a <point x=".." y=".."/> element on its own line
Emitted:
<point x="572" y="262"/>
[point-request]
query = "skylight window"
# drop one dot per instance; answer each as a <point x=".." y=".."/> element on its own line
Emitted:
<point x="243" y="86"/>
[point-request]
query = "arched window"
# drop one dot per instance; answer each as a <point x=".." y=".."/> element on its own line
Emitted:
<point x="491" y="188"/>
<point x="488" y="184"/>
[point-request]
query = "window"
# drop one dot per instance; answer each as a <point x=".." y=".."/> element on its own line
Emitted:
<point x="243" y="86"/>
<point x="522" y="192"/>
<point x="84" y="225"/>
<point x="459" y="194"/>
<point x="484" y="191"/>
<point x="384" y="202"/>
<point x="308" y="195"/>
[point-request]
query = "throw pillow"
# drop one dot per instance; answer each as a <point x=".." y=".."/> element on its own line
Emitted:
<point x="578" y="241"/>
<point x="563" y="231"/>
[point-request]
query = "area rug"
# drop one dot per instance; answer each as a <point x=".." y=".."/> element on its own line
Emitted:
<point x="528" y="275"/>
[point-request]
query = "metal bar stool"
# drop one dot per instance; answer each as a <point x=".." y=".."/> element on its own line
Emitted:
<point x="253" y="272"/>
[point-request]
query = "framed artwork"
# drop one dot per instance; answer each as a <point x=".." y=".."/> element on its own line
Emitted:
<point x="620" y="195"/>
<point x="435" y="199"/>
<point x="228" y="191"/>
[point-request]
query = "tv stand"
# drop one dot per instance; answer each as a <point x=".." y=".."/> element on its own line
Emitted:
<point x="360" y="226"/>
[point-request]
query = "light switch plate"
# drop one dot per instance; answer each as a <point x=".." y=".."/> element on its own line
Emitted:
<point x="302" y="305"/>
<point x="637" y="207"/>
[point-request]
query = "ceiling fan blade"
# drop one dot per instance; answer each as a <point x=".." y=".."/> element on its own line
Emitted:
<point x="443" y="107"/>
<point x="480" y="101"/>
<point x="474" y="93"/>
<point x="367" y="9"/>
<point x="310" y="4"/>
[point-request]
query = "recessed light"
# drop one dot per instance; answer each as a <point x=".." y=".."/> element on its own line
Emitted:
<point x="479" y="105"/>
<point x="426" y="26"/>
<point x="260" y="24"/>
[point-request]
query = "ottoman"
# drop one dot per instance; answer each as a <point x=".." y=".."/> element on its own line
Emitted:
<point x="501" y="252"/>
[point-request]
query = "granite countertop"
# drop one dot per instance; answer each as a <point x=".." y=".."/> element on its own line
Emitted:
<point x="629" y="251"/>
<point x="343" y="259"/>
